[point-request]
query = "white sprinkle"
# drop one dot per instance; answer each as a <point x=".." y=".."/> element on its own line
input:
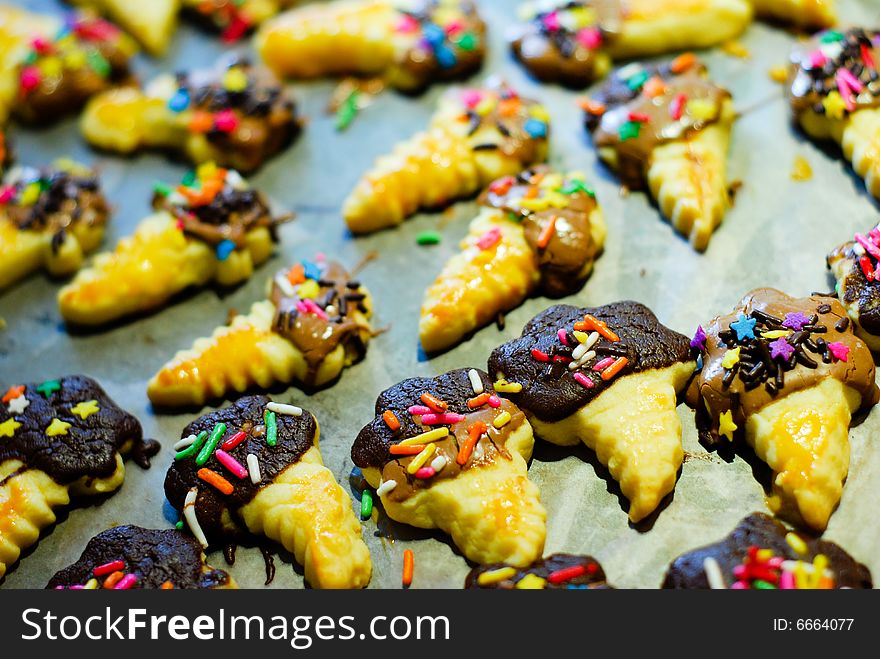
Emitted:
<point x="282" y="408"/>
<point x="181" y="444"/>
<point x="591" y="340"/>
<point x="253" y="468"/>
<point x="789" y="566"/>
<point x="438" y="463"/>
<point x="858" y="249"/>
<point x="713" y="574"/>
<point x="18" y="405"/>
<point x="386" y="487"/>
<point x="234" y="179"/>
<point x="577" y="363"/>
<point x="189" y="514"/>
<point x="476" y="382"/>
<point x="579" y="351"/>
<point x="286" y="287"/>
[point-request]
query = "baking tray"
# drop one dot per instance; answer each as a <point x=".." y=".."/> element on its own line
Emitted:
<point x="777" y="234"/>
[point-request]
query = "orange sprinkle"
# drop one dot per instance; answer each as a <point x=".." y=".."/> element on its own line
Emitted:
<point x="531" y="192"/>
<point x="537" y="177"/>
<point x="826" y="583"/>
<point x="594" y="323"/>
<point x="547" y="233"/>
<point x="408" y="567"/>
<point x="591" y="106"/>
<point x="201" y="121"/>
<point x="683" y="62"/>
<point x="654" y="87"/>
<point x="390" y="420"/>
<point x="412" y="449"/>
<point x="215" y="479"/>
<point x="112" y="579"/>
<point x="434" y="403"/>
<point x="615" y="368"/>
<point x="167" y="586"/>
<point x="478" y="401"/>
<point x="296" y="274"/>
<point x="13" y="393"/>
<point x="508" y="107"/>
<point x="581" y="326"/>
<point x="475" y="431"/>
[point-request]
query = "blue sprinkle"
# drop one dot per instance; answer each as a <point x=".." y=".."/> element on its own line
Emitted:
<point x="224" y="249"/>
<point x="699" y="362"/>
<point x="434" y="34"/>
<point x="310" y="270"/>
<point x="535" y="128"/>
<point x="576" y="586"/>
<point x="180" y="101"/>
<point x="445" y="56"/>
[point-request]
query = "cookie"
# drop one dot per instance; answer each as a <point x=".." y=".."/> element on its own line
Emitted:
<point x="152" y="23"/>
<point x="856" y="267"/>
<point x="233" y="19"/>
<point x="557" y="571"/>
<point x="131" y="557"/>
<point x="805" y="14"/>
<point x="254" y="468"/>
<point x="447" y="453"/>
<point x="609" y="377"/>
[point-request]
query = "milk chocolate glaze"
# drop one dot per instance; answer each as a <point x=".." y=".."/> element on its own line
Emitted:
<point x="588" y="574"/>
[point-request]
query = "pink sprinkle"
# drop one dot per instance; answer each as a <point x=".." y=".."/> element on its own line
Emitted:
<point x="817" y="59"/>
<point x="563" y="336"/>
<point x="740" y="571"/>
<point x="589" y="37"/>
<point x="6" y="194"/>
<point x="877" y="273"/>
<point x="225" y="121"/>
<point x="489" y="239"/>
<point x="845" y="92"/>
<point x="29" y="78"/>
<point x="407" y="24"/>
<point x="740" y="585"/>
<point x="471" y="98"/>
<point x="775" y="562"/>
<point x="433" y="419"/>
<point x="551" y="21"/>
<point x="77" y="586"/>
<point x="59" y="587"/>
<point x="874" y="235"/>
<point x="320" y="257"/>
<point x="869" y="246"/>
<point x="40" y="45"/>
<point x="454" y="26"/>
<point x="786" y="581"/>
<point x="425" y="472"/>
<point x="852" y="82"/>
<point x="839" y="350"/>
<point x="312" y="307"/>
<point x="301" y="306"/>
<point x="583" y="380"/>
<point x="127" y="582"/>
<point x="230" y="463"/>
<point x="494" y="401"/>
<point x="676" y="106"/>
<point x="603" y="364"/>
<point x="418" y="410"/>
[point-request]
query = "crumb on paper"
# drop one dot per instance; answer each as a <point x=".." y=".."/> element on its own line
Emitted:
<point x="778" y="74"/>
<point x="801" y="170"/>
<point x="735" y="48"/>
<point x="2" y="323"/>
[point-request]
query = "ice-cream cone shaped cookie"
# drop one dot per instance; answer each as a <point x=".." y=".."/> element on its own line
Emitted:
<point x="476" y="136"/>
<point x="608" y="377"/>
<point x="856" y="267"/>
<point x="50" y="218"/>
<point x="213" y="227"/>
<point x="236" y="115"/>
<point x="668" y="128"/>
<point x="786" y="374"/>
<point x="130" y="557"/>
<point x="58" y="439"/>
<point x="834" y="91"/>
<point x="151" y="23"/>
<point x="314" y="324"/>
<point x="573" y="43"/>
<point x="805" y="14"/>
<point x="540" y="230"/>
<point x="447" y="453"/>
<point x="411" y="43"/>
<point x="255" y="468"/>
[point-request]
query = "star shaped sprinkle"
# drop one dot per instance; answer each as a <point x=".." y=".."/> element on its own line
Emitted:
<point x="744" y="327"/>
<point x="726" y="426"/>
<point x="85" y="409"/>
<point x="49" y="387"/>
<point x="781" y="348"/>
<point x="57" y="427"/>
<point x="699" y="340"/>
<point x="731" y="358"/>
<point x="839" y="350"/>
<point x="834" y="105"/>
<point x="18" y="405"/>
<point x="8" y="427"/>
<point x="629" y="130"/>
<point x="795" y="320"/>
<point x="13" y="393"/>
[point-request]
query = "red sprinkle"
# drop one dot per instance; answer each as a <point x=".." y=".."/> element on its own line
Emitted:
<point x="225" y="121"/>
<point x="641" y="117"/>
<point x="868" y="58"/>
<point x="489" y="239"/>
<point x="235" y="30"/>
<point x="234" y="441"/>
<point x="567" y="573"/>
<point x="562" y="359"/>
<point x="501" y="186"/>
<point x="107" y="568"/>
<point x="676" y="106"/>
<point x="540" y="355"/>
<point x="867" y="268"/>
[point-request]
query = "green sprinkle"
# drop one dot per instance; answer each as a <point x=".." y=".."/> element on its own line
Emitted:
<point x="760" y="584"/>
<point x="99" y="63"/>
<point x="193" y="448"/>
<point x="629" y="130"/>
<point x="638" y="80"/>
<point x="347" y="111"/>
<point x="49" y="387"/>
<point x="366" y="504"/>
<point x="514" y="217"/>
<point x="271" y="428"/>
<point x="428" y="238"/>
<point x="188" y="179"/>
<point x="162" y="189"/>
<point x="467" y="41"/>
<point x="30" y="58"/>
<point x="179" y="525"/>
<point x="573" y="186"/>
<point x="831" y="36"/>
<point x="209" y="447"/>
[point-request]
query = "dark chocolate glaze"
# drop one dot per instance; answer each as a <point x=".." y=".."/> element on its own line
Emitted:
<point x="551" y="393"/>
<point x="296" y="435"/>
<point x="592" y="579"/>
<point x="762" y="531"/>
<point x="154" y="556"/>
<point x="90" y="446"/>
<point x="855" y="287"/>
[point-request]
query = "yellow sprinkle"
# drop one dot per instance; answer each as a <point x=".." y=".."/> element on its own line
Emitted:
<point x="50" y="67"/>
<point x="764" y="554"/>
<point x="819" y="565"/>
<point x="581" y="336"/>
<point x="85" y="409"/>
<point x="91" y="584"/>
<point x="801" y="171"/>
<point x="57" y="427"/>
<point x="531" y="582"/>
<point x="582" y="16"/>
<point x="30" y="195"/>
<point x="235" y="80"/>
<point x="427" y="437"/>
<point x="576" y="175"/>
<point x="536" y="204"/>
<point x="540" y="113"/>
<point x="8" y="427"/>
<point x="495" y="576"/>
<point x="485" y="106"/>
<point x="735" y="49"/>
<point x="419" y="461"/>
<point x="309" y="289"/>
<point x="502" y="419"/>
<point x="505" y="387"/>
<point x="775" y="334"/>
<point x="800" y="575"/>
<point x="75" y="59"/>
<point x="834" y="105"/>
<point x="551" y="181"/>
<point x="796" y="542"/>
<point x="726" y="426"/>
<point x="778" y="74"/>
<point x="556" y="199"/>
<point x="206" y="170"/>
<point x="701" y="109"/>
<point x="731" y="358"/>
